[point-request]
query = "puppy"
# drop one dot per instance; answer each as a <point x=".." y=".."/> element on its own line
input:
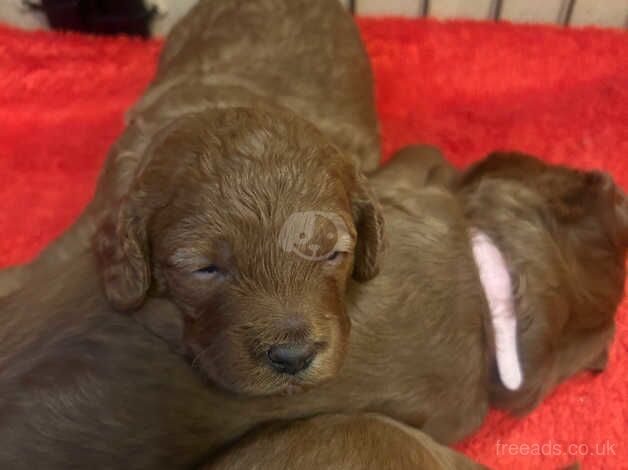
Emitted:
<point x="427" y="326"/>
<point x="339" y="442"/>
<point x="275" y="55"/>
<point x="564" y="234"/>
<point x="82" y="386"/>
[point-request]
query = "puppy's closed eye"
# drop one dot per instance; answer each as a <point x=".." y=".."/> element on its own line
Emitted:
<point x="201" y="262"/>
<point x="211" y="270"/>
<point x="337" y="257"/>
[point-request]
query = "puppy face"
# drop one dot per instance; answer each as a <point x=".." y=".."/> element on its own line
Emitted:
<point x="252" y="224"/>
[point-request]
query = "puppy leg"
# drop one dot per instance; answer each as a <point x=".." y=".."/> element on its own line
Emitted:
<point x="341" y="442"/>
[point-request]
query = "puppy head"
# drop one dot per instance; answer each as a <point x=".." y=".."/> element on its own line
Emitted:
<point x="565" y="232"/>
<point x="252" y="224"/>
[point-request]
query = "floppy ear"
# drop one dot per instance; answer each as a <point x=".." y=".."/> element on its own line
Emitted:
<point x="615" y="201"/>
<point x="621" y="212"/>
<point x="121" y="247"/>
<point x="619" y="203"/>
<point x="369" y="225"/>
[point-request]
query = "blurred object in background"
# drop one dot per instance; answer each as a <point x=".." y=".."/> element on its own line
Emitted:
<point x="134" y="17"/>
<point x="16" y="13"/>
<point x="604" y="13"/>
<point x="168" y="13"/>
<point x="97" y="16"/>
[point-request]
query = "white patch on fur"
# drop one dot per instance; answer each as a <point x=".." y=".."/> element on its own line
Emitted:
<point x="497" y="286"/>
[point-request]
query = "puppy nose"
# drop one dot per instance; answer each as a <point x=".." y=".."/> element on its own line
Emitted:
<point x="291" y="358"/>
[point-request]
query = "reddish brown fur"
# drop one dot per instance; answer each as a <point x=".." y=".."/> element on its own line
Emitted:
<point x="564" y="233"/>
<point x="341" y="442"/>
<point x="84" y="387"/>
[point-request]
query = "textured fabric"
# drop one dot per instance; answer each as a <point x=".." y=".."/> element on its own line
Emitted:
<point x="466" y="87"/>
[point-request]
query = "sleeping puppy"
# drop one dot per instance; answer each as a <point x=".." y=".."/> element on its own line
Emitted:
<point x="199" y="233"/>
<point x="428" y="326"/>
<point x="340" y="442"/>
<point x="263" y="296"/>
<point x="83" y="386"/>
<point x="274" y="55"/>
<point x="563" y="234"/>
<point x="560" y="236"/>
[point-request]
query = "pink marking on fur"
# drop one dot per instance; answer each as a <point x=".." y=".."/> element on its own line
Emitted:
<point x="497" y="285"/>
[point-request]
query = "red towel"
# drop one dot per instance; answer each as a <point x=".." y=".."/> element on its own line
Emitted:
<point x="466" y="87"/>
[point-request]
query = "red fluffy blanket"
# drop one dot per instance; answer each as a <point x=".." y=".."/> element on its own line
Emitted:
<point x="466" y="87"/>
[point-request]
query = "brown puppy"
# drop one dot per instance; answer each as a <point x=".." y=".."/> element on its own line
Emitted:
<point x="340" y="442"/>
<point x="424" y="328"/>
<point x="271" y="54"/>
<point x="564" y="233"/>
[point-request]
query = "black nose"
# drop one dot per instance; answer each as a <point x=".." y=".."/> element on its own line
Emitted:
<point x="291" y="358"/>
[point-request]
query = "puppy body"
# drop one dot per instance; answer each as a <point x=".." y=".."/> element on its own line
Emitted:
<point x="563" y="234"/>
<point x="82" y="387"/>
<point x="275" y="55"/>
<point x="296" y="54"/>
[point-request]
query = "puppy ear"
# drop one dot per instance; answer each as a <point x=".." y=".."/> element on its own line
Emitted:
<point x="614" y="200"/>
<point x="369" y="225"/>
<point x="621" y="212"/>
<point x="619" y="203"/>
<point x="121" y="247"/>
